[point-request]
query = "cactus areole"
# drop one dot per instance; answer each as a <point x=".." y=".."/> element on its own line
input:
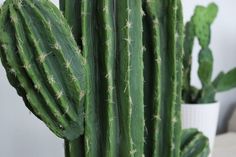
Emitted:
<point x="105" y="75"/>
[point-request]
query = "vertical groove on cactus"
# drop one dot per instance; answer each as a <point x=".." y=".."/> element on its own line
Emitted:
<point x="130" y="77"/>
<point x="72" y="12"/>
<point x="107" y="51"/>
<point x="74" y="148"/>
<point x="170" y="113"/>
<point x="89" y="43"/>
<point x="62" y="4"/>
<point x="152" y="63"/>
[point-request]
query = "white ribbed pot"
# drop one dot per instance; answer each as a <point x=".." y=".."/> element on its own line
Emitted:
<point x="204" y="117"/>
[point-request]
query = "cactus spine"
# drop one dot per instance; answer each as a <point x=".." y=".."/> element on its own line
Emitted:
<point x="120" y="74"/>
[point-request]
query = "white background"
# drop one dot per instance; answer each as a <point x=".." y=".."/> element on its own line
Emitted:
<point x="22" y="135"/>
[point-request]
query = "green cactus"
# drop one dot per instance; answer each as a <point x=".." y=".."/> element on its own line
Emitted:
<point x="45" y="70"/>
<point x="114" y="89"/>
<point x="194" y="143"/>
<point x="199" y="27"/>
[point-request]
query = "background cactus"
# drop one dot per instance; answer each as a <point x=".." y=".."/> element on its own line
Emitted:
<point x="116" y="84"/>
<point x="199" y="27"/>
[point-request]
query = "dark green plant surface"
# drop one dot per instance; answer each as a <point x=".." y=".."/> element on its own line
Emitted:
<point x="194" y="143"/>
<point x="44" y="64"/>
<point x="112" y="90"/>
<point x="199" y="27"/>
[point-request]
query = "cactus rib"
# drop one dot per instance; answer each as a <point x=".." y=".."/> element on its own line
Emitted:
<point x="153" y="65"/>
<point x="107" y="51"/>
<point x="130" y="77"/>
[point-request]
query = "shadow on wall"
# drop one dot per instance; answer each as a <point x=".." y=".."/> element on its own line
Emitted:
<point x="230" y="119"/>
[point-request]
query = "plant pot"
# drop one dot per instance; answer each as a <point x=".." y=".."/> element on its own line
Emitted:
<point x="204" y="117"/>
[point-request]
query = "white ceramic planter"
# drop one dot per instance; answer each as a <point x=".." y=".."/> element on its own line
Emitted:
<point x="204" y="117"/>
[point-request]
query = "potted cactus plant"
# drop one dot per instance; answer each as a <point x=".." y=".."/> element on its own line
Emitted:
<point x="81" y="71"/>
<point x="201" y="109"/>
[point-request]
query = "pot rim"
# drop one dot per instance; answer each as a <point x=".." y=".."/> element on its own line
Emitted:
<point x="202" y="104"/>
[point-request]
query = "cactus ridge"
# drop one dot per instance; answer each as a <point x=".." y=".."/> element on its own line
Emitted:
<point x="130" y="77"/>
<point x="107" y="57"/>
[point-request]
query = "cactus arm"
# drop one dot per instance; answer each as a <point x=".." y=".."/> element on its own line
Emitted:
<point x="202" y="20"/>
<point x="32" y="70"/>
<point x="225" y="81"/>
<point x="218" y="79"/>
<point x="74" y="82"/>
<point x="130" y="77"/>
<point x="194" y="144"/>
<point x="107" y="51"/>
<point x="12" y="65"/>
<point x="55" y="105"/>
<point x="205" y="60"/>
<point x="205" y="69"/>
<point x="92" y="126"/>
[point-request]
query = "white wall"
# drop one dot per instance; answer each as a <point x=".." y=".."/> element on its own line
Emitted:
<point x="22" y="134"/>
